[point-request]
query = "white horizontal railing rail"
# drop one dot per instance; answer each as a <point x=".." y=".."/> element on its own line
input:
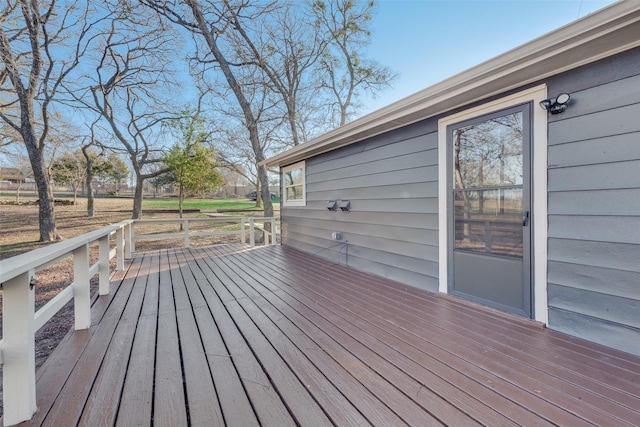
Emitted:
<point x="20" y="321"/>
<point x="187" y="233"/>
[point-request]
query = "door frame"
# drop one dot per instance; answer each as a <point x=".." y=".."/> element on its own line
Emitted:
<point x="538" y="190"/>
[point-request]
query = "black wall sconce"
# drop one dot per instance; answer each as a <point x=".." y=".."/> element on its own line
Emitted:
<point x="332" y="205"/>
<point x="556" y="105"/>
<point x="345" y="205"/>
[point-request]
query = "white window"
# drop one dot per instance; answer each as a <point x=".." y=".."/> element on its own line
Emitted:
<point x="294" y="191"/>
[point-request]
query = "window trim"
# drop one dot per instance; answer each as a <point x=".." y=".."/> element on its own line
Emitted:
<point x="297" y="202"/>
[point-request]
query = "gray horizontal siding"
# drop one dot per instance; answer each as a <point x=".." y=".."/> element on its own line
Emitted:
<point x="617" y="148"/>
<point x="596" y="177"/>
<point x="388" y="246"/>
<point x="611" y="95"/>
<point x="601" y="254"/>
<point x="382" y="192"/>
<point x="596" y="304"/>
<point x="611" y="334"/>
<point x="418" y="235"/>
<point x="616" y="282"/>
<point x="404" y="205"/>
<point x="392" y="229"/>
<point x="375" y="152"/>
<point x="613" y="229"/>
<point x="388" y="259"/>
<point x="429" y="221"/>
<point x="594" y="204"/>
<point x="368" y="177"/>
<point x="369" y="260"/>
<point x="601" y="124"/>
<point x="406" y="162"/>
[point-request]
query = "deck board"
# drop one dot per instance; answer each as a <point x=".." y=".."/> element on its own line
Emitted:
<point x="204" y="408"/>
<point x="169" y="407"/>
<point x="137" y="394"/>
<point x="487" y="363"/>
<point x="347" y="328"/>
<point x="228" y="335"/>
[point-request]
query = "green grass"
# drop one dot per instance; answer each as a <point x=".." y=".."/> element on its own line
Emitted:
<point x="202" y="204"/>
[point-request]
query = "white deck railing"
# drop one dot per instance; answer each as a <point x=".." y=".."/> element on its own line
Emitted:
<point x="20" y="320"/>
<point x="187" y="233"/>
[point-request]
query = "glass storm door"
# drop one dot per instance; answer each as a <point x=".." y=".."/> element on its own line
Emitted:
<point x="489" y="205"/>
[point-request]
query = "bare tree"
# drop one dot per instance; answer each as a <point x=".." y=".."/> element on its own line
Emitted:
<point x="40" y="45"/>
<point x="285" y="46"/>
<point x="210" y="23"/>
<point x="344" y="69"/>
<point x="131" y="90"/>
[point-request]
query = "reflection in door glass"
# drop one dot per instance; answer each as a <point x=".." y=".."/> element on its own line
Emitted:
<point x="489" y="221"/>
<point x="488" y="178"/>
<point x="489" y="153"/>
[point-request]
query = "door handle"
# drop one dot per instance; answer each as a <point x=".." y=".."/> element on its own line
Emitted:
<point x="525" y="218"/>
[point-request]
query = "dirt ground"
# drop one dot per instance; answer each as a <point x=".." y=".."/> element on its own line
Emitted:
<point x="19" y="234"/>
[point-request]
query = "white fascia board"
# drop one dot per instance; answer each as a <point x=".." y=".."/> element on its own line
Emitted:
<point x="611" y="30"/>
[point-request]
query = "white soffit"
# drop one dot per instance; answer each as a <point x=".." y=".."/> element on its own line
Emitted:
<point x="611" y="30"/>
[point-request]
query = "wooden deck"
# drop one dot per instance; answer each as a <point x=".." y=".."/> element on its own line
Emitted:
<point x="270" y="336"/>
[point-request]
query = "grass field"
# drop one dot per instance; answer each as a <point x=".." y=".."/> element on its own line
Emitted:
<point x="203" y="204"/>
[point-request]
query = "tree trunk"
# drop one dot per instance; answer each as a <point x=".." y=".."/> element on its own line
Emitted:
<point x="266" y="194"/>
<point x="18" y="192"/>
<point x="137" y="198"/>
<point x="180" y="199"/>
<point x="460" y="184"/>
<point x="292" y="124"/>
<point x="46" y="214"/>
<point x="89" y="199"/>
<point x="88" y="179"/>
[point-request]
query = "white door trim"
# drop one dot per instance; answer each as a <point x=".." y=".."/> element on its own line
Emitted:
<point x="538" y="189"/>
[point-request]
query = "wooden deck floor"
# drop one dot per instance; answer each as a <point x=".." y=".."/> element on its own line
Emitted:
<point x="273" y="337"/>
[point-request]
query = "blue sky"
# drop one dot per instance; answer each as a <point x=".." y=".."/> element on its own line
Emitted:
<point x="426" y="41"/>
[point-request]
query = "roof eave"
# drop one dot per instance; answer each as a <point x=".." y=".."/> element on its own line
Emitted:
<point x="604" y="33"/>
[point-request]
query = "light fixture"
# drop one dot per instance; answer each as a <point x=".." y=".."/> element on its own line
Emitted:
<point x="345" y="205"/>
<point x="332" y="205"/>
<point x="556" y="105"/>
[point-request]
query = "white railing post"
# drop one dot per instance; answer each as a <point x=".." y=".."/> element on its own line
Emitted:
<point x="273" y="231"/>
<point x="130" y="240"/>
<point x="243" y="238"/>
<point x="120" y="249"/>
<point x="103" y="260"/>
<point x="185" y="227"/>
<point x="81" y="294"/>
<point x="18" y="353"/>
<point x="252" y="234"/>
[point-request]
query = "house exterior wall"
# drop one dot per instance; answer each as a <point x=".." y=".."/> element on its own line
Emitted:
<point x="594" y="204"/>
<point x="593" y="188"/>
<point x="391" y="230"/>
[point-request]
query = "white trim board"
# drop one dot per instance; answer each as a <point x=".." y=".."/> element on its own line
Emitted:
<point x="538" y="190"/>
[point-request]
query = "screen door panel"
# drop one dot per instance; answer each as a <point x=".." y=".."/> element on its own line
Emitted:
<point x="489" y="215"/>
